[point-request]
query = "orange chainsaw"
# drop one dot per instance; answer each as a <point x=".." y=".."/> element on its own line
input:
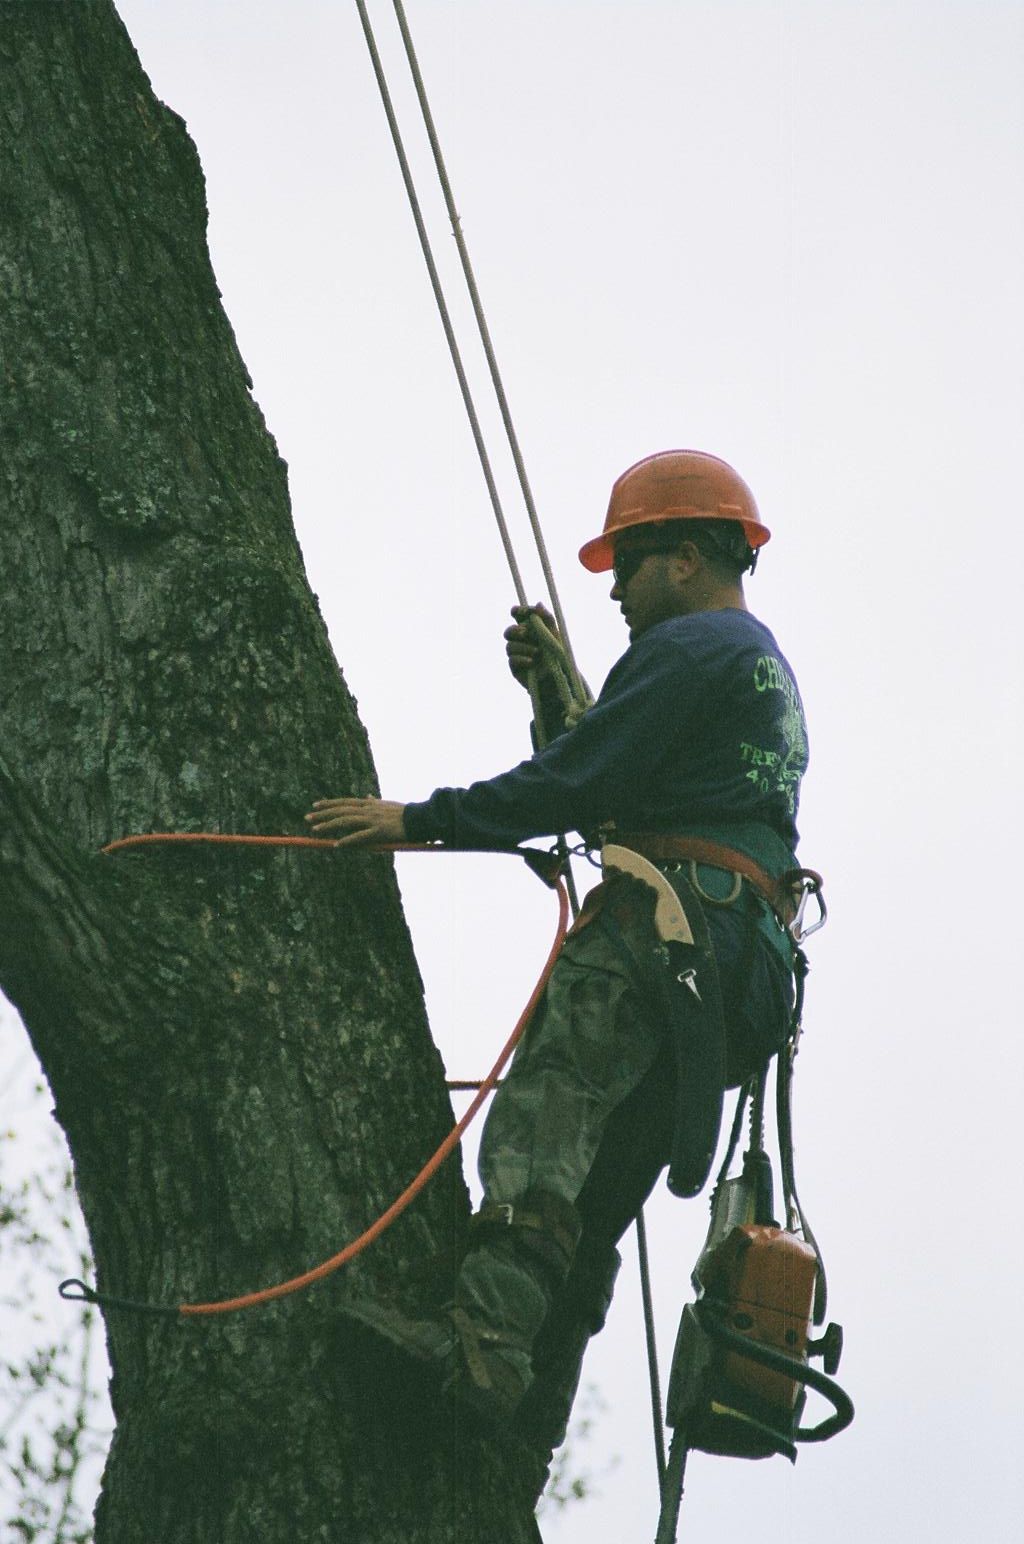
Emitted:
<point x="741" y="1369"/>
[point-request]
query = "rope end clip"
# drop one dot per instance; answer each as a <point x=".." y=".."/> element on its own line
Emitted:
<point x="83" y="1294"/>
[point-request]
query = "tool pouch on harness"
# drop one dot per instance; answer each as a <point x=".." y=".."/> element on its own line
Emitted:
<point x="694" y="1001"/>
<point x="679" y="979"/>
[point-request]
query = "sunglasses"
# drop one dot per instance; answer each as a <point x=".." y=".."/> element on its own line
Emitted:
<point x="628" y="560"/>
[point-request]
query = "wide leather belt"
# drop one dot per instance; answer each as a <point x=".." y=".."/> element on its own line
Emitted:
<point x="782" y="894"/>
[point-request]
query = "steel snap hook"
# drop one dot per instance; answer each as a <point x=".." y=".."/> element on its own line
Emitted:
<point x="810" y="884"/>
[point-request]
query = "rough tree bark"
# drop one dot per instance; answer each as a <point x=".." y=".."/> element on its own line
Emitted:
<point x="236" y="1042"/>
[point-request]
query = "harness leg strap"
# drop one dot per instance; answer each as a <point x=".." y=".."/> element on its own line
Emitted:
<point x="542" y="1225"/>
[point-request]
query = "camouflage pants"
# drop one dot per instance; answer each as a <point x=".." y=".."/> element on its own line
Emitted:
<point x="592" y="1043"/>
<point x="589" y="1045"/>
<point x="586" y="1109"/>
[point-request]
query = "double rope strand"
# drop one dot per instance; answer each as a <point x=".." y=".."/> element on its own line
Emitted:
<point x="579" y="687"/>
<point x="572" y="688"/>
<point x="442" y="305"/>
<point x="488" y="347"/>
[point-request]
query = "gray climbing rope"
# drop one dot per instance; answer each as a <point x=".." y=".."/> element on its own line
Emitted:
<point x="559" y="660"/>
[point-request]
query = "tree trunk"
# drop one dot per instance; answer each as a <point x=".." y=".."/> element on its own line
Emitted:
<point x="235" y="1038"/>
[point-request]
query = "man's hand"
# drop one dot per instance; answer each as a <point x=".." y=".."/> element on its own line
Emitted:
<point x="359" y="822"/>
<point x="524" y="653"/>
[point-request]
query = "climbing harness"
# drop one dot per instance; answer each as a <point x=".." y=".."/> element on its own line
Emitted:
<point x="547" y="867"/>
<point x="787" y="895"/>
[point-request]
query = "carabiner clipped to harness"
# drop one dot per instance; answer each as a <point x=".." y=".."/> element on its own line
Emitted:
<point x="806" y="883"/>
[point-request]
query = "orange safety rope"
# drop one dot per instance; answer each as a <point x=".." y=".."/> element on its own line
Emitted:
<point x="408" y="1195"/>
<point x="251" y="1299"/>
<point x="263" y="841"/>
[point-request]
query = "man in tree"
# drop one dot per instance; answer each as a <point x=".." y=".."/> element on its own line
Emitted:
<point x="692" y="756"/>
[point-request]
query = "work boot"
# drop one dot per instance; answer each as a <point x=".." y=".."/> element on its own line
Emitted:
<point x="479" y="1346"/>
<point x="491" y="1372"/>
<point x="476" y="1365"/>
<point x="518" y="1257"/>
<point x="430" y="1340"/>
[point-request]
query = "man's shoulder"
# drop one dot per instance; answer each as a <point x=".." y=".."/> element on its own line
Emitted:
<point x="729" y="628"/>
<point x="694" y="651"/>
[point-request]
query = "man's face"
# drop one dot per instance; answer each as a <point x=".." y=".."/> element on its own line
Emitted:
<point x="647" y="584"/>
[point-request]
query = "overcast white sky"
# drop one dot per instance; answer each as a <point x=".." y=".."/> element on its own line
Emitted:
<point x="791" y="234"/>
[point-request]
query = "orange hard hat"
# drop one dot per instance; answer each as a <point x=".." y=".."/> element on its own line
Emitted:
<point x="674" y="485"/>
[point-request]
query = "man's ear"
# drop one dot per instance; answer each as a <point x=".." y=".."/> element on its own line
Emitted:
<point x="687" y="560"/>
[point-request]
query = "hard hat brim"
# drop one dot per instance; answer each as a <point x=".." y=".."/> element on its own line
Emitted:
<point x="598" y="555"/>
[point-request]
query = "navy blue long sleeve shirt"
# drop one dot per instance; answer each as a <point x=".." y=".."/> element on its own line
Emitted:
<point x="698" y="729"/>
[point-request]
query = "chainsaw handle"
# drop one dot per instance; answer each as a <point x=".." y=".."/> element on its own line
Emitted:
<point x="793" y="1367"/>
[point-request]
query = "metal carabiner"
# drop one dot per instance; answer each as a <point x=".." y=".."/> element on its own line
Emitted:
<point x="810" y="884"/>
